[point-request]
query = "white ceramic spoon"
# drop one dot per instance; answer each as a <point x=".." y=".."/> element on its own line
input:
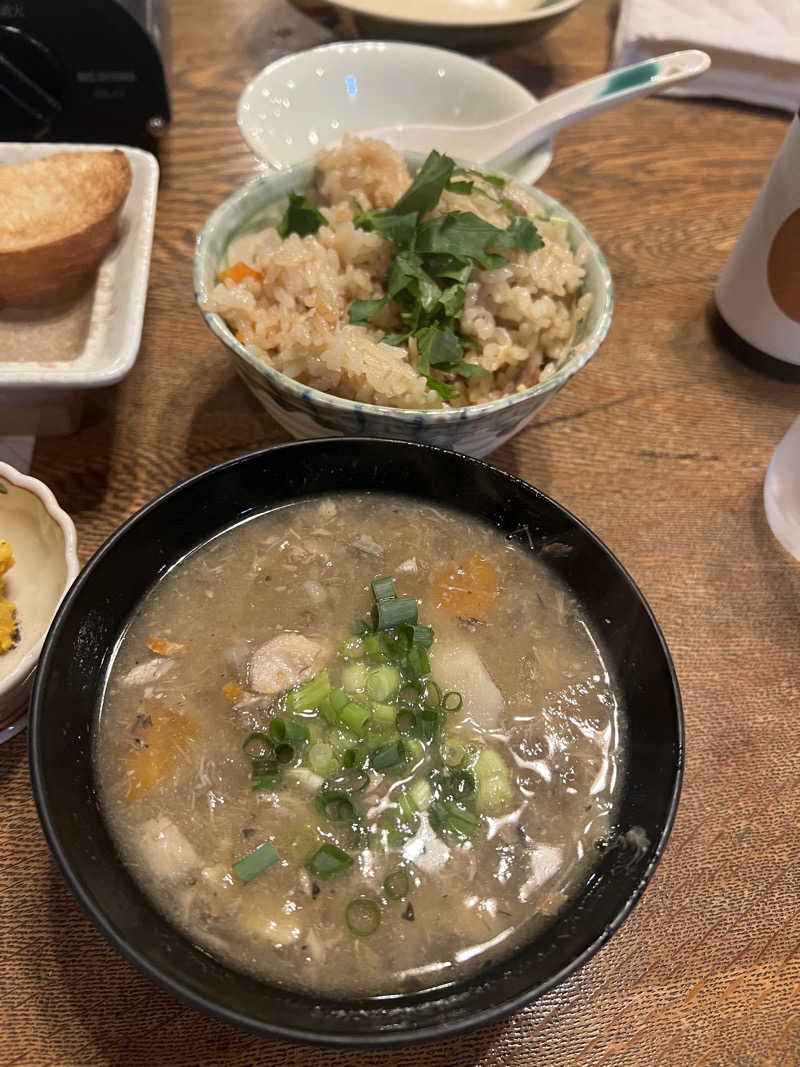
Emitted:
<point x="497" y="143"/>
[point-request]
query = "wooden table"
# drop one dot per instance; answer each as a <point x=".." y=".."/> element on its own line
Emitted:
<point x="660" y="445"/>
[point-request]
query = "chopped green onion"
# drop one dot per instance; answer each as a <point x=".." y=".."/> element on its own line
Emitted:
<point x="383" y="682"/>
<point x="353" y="648"/>
<point x="285" y="752"/>
<point x="255" y="862"/>
<point x="354" y="677"/>
<point x="426" y="723"/>
<point x="267" y="780"/>
<point x="352" y="781"/>
<point x="388" y="756"/>
<point x="330" y="708"/>
<point x="383" y="589"/>
<point x="421" y="794"/>
<point x="405" y="720"/>
<point x="292" y="733"/>
<point x="321" y="758"/>
<point x="400" y="611"/>
<point x="328" y="860"/>
<point x="417" y="662"/>
<point x="337" y="806"/>
<point x="265" y="773"/>
<point x="453" y="818"/>
<point x="396" y="885"/>
<point x="415" y="750"/>
<point x="453" y="753"/>
<point x="363" y="916"/>
<point x="384" y="714"/>
<point x="256" y="746"/>
<point x="452" y="701"/>
<point x="354" y="758"/>
<point x="354" y="717"/>
<point x="327" y="712"/>
<point x="421" y="635"/>
<point x="309" y="695"/>
<point x="372" y="644"/>
<point x="457" y="784"/>
<point x="396" y="642"/>
<point x="389" y="834"/>
<point x="406" y="808"/>
<point x="494" y="789"/>
<point x="431" y="694"/>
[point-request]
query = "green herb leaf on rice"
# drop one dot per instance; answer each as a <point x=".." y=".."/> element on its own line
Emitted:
<point x="361" y="311"/>
<point x="432" y="261"/>
<point x="301" y="217"/>
<point x="426" y="189"/>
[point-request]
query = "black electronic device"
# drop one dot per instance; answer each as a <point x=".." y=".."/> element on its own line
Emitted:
<point x="83" y="70"/>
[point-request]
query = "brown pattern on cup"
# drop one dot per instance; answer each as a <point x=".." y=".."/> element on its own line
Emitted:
<point x="783" y="267"/>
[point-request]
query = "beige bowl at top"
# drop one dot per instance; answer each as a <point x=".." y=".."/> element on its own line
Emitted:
<point x="43" y="539"/>
<point x="469" y="25"/>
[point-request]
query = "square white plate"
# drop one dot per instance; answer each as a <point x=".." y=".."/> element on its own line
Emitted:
<point x="116" y="302"/>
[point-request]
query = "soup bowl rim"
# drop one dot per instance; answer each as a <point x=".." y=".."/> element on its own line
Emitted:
<point x="390" y="1038"/>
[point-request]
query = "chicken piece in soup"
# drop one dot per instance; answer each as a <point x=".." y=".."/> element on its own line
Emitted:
<point x="360" y="745"/>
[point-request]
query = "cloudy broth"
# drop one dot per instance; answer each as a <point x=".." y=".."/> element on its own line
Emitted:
<point x="466" y="782"/>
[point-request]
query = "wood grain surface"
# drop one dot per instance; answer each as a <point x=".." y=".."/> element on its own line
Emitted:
<point x="660" y="445"/>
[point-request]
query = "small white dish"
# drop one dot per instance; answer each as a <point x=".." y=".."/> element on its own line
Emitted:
<point x="311" y="99"/>
<point x="43" y="396"/>
<point x="473" y="25"/>
<point x="44" y="543"/>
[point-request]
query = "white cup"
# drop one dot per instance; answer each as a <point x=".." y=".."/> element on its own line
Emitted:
<point x="758" y="293"/>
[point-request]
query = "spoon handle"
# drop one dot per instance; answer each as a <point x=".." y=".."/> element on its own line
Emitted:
<point x="509" y="139"/>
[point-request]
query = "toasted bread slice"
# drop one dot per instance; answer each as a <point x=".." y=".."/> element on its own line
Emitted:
<point x="58" y="215"/>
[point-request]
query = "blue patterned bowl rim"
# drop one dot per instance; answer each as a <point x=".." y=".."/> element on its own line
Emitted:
<point x="299" y="177"/>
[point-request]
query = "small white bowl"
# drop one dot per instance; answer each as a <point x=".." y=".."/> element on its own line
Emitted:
<point x="43" y="539"/>
<point x="308" y="100"/>
<point x="44" y="396"/>
<point x="475" y="25"/>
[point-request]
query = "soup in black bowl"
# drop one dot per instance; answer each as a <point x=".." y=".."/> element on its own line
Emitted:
<point x="367" y="727"/>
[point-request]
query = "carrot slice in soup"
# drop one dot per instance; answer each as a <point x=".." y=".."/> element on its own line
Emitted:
<point x="238" y="272"/>
<point x="162" y="646"/>
<point x="159" y="741"/>
<point x="469" y="591"/>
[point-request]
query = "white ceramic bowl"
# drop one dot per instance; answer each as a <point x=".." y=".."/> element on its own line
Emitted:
<point x="474" y="25"/>
<point x="308" y="100"/>
<point x="306" y="412"/>
<point x="44" y="396"/>
<point x="43" y="539"/>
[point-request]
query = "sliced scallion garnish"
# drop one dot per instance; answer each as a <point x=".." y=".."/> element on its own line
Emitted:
<point x="383" y="589"/>
<point x="397" y="884"/>
<point x="388" y="756"/>
<point x="363" y="916"/>
<point x="426" y="723"/>
<point x="451" y="817"/>
<point x="328" y="861"/>
<point x="255" y="862"/>
<point x="453" y="753"/>
<point x="285" y="731"/>
<point x="310" y="695"/>
<point x="421" y="635"/>
<point x="417" y="662"/>
<point x="452" y="701"/>
<point x="337" y="806"/>
<point x="354" y="717"/>
<point x="256" y="746"/>
<point x="383" y="682"/>
<point x="399" y="611"/>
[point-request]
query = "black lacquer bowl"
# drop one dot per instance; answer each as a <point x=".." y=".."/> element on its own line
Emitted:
<point x="81" y="642"/>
